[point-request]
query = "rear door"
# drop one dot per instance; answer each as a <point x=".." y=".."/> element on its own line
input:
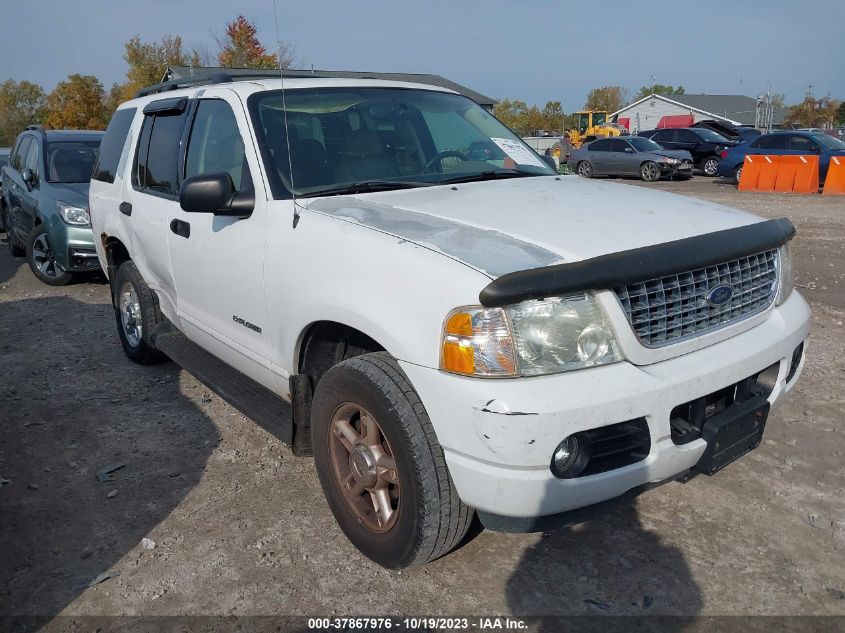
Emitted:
<point x="599" y="155"/>
<point x="14" y="186"/>
<point x="218" y="261"/>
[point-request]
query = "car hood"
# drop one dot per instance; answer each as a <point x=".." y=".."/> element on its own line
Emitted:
<point x="71" y="192"/>
<point x="508" y="225"/>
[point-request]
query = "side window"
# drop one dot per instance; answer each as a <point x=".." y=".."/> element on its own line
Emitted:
<point x="112" y="145"/>
<point x="685" y="136"/>
<point x="618" y="146"/>
<point x="602" y="145"/>
<point x="665" y="136"/>
<point x="32" y="158"/>
<point x="215" y="145"/>
<point x="775" y="141"/>
<point x="157" y="160"/>
<point x="802" y="144"/>
<point x="19" y="156"/>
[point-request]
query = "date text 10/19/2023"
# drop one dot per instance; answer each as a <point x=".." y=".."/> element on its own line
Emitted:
<point x="417" y="624"/>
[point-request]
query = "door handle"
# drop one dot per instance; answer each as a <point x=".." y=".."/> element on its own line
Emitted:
<point x="180" y="228"/>
<point x="125" y="208"/>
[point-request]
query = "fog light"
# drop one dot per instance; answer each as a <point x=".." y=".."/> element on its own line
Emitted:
<point x="570" y="457"/>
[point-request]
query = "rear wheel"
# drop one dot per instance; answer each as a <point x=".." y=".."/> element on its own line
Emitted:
<point x="42" y="261"/>
<point x="709" y="166"/>
<point x="738" y="174"/>
<point x="136" y="312"/>
<point x="380" y="465"/>
<point x="649" y="171"/>
<point x="585" y="169"/>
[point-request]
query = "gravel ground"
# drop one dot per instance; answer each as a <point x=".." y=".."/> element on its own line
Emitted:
<point x="240" y="526"/>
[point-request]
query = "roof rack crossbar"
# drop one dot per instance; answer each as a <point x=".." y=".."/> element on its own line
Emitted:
<point x="213" y="78"/>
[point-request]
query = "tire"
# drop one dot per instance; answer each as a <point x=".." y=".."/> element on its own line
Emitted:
<point x="427" y="518"/>
<point x="649" y="171"/>
<point x="39" y="256"/>
<point x="709" y="166"/>
<point x="15" y="249"/>
<point x="737" y="174"/>
<point x="136" y="312"/>
<point x="585" y="169"/>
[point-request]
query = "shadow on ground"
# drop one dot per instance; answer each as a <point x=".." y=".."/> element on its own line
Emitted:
<point x="62" y="528"/>
<point x="596" y="568"/>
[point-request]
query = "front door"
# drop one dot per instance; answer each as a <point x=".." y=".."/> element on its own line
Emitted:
<point x="217" y="261"/>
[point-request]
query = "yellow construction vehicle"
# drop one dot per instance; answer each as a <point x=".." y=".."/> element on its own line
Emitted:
<point x="590" y="125"/>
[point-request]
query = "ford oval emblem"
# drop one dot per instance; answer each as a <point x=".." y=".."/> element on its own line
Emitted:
<point x="719" y="295"/>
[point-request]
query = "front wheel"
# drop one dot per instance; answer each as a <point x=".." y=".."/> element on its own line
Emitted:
<point x="709" y="166"/>
<point x="380" y="465"/>
<point x="42" y="261"/>
<point x="585" y="169"/>
<point x="649" y="171"/>
<point x="136" y="312"/>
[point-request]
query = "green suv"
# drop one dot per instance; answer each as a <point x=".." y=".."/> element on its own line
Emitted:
<point x="45" y="202"/>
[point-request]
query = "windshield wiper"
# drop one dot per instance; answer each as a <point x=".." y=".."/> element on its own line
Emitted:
<point x="366" y="186"/>
<point x="492" y="174"/>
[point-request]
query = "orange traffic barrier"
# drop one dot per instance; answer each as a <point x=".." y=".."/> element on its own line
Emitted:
<point x="758" y="173"/>
<point x="792" y="174"/>
<point x="834" y="183"/>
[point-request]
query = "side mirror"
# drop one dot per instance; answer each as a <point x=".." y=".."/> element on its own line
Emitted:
<point x="550" y="161"/>
<point x="28" y="176"/>
<point x="215" y="193"/>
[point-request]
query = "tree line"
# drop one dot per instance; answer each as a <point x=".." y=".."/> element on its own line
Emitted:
<point x="82" y="102"/>
<point x="527" y="120"/>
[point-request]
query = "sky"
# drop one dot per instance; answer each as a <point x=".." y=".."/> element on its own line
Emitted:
<point x="533" y="50"/>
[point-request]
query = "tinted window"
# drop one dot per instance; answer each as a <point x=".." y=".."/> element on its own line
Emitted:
<point x="71" y="161"/>
<point x="158" y="154"/>
<point x="773" y="141"/>
<point x="686" y="136"/>
<point x="215" y="145"/>
<point x="802" y="144"/>
<point x="619" y="146"/>
<point x="112" y="145"/>
<point x="20" y="152"/>
<point x="710" y="135"/>
<point x="602" y="145"/>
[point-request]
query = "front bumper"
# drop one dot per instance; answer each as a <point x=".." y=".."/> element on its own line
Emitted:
<point x="73" y="247"/>
<point x="498" y="435"/>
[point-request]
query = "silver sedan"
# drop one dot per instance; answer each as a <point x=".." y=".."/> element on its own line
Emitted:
<point x="630" y="156"/>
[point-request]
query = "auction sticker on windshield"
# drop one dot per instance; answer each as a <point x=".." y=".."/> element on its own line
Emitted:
<point x="518" y="152"/>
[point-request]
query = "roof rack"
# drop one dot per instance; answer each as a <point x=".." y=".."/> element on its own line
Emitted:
<point x="213" y="78"/>
<point x="34" y="127"/>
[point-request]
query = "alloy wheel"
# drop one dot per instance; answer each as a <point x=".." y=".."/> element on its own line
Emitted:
<point x="710" y="167"/>
<point x="363" y="467"/>
<point x="43" y="257"/>
<point x="650" y="172"/>
<point x="130" y="314"/>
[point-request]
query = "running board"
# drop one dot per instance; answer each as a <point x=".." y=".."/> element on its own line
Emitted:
<point x="265" y="408"/>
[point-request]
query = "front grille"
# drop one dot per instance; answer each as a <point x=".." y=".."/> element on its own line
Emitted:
<point x="674" y="308"/>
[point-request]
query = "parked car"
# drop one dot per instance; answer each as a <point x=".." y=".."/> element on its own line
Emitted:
<point x="45" y="192"/>
<point x="780" y="144"/>
<point x="630" y="156"/>
<point x="735" y="133"/>
<point x="4" y="160"/>
<point x="704" y="145"/>
<point x="478" y="338"/>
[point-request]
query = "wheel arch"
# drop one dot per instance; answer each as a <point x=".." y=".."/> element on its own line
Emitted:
<point x="323" y="344"/>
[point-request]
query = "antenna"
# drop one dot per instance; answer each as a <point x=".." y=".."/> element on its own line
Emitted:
<point x="285" y="116"/>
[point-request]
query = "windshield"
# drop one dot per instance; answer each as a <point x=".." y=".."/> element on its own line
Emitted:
<point x="70" y="161"/>
<point x="710" y="135"/>
<point x="599" y="118"/>
<point x="828" y="142"/>
<point x="644" y="144"/>
<point x="344" y="136"/>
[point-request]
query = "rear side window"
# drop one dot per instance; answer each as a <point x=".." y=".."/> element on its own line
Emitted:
<point x="112" y="145"/>
<point x="685" y="136"/>
<point x="665" y="136"/>
<point x="600" y="146"/>
<point x="157" y="162"/>
<point x="775" y="141"/>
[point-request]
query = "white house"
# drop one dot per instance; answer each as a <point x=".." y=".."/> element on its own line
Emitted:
<point x="657" y="111"/>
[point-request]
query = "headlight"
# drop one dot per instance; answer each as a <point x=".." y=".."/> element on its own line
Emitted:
<point x="671" y="161"/>
<point x="786" y="276"/>
<point x="529" y="339"/>
<point x="73" y="214"/>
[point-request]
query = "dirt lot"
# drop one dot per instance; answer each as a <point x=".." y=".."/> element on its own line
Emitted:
<point x="241" y="527"/>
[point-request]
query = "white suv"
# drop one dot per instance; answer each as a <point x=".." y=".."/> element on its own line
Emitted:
<point x="458" y="328"/>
